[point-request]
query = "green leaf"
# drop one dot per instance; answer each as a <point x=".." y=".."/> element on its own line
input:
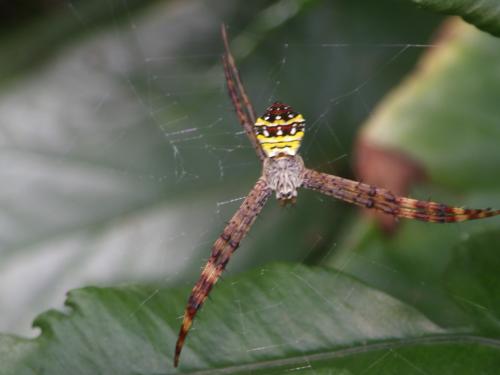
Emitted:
<point x="484" y="14"/>
<point x="12" y="351"/>
<point x="445" y="115"/>
<point x="473" y="281"/>
<point x="281" y="316"/>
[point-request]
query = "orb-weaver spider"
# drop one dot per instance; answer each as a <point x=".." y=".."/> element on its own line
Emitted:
<point x="276" y="138"/>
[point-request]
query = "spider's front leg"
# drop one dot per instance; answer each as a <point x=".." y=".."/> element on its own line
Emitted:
<point x="223" y="248"/>
<point x="383" y="200"/>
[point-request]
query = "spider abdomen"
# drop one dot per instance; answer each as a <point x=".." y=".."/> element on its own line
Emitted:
<point x="279" y="130"/>
<point x="284" y="174"/>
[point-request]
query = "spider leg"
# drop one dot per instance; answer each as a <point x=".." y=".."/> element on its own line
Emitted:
<point x="380" y="199"/>
<point x="223" y="248"/>
<point x="236" y="75"/>
<point x="236" y="90"/>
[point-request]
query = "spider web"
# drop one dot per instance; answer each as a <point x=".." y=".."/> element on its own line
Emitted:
<point x="143" y="90"/>
<point x="124" y="157"/>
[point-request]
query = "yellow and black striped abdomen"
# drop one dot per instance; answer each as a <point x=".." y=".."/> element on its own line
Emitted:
<point x="280" y="130"/>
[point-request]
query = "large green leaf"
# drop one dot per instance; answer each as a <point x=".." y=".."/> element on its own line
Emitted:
<point x="484" y="14"/>
<point x="275" y="318"/>
<point x="444" y="117"/>
<point x="473" y="281"/>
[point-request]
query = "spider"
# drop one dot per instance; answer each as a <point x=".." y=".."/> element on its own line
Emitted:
<point x="276" y="138"/>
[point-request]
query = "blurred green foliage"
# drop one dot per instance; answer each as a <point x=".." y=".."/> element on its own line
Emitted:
<point x="434" y="117"/>
<point x="484" y="14"/>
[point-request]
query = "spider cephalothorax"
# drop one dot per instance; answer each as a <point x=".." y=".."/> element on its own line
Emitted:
<point x="276" y="138"/>
<point x="284" y="174"/>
